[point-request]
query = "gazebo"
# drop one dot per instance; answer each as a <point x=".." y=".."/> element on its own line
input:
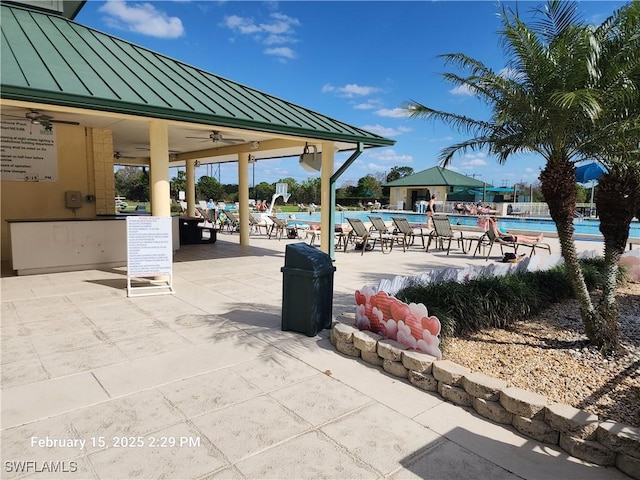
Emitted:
<point x="79" y="101"/>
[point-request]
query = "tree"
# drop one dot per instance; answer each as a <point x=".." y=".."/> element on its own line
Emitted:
<point x="178" y="184"/>
<point x="369" y="186"/>
<point x="544" y="103"/>
<point x="399" y="172"/>
<point x="209" y="187"/>
<point x="614" y="140"/>
<point x="309" y="190"/>
<point x="132" y="183"/>
<point x="264" y="191"/>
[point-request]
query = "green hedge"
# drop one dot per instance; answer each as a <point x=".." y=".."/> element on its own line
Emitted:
<point x="498" y="301"/>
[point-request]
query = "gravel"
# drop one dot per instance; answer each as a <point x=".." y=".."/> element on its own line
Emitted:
<point x="549" y="355"/>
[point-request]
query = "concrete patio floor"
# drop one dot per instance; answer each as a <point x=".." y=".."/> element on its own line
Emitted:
<point x="204" y="384"/>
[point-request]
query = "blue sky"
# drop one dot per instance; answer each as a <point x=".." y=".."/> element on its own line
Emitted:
<point x="355" y="61"/>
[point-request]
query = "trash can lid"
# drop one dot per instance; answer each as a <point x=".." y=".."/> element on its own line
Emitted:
<point x="305" y="257"/>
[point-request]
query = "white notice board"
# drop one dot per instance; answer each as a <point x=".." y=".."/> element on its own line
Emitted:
<point x="149" y="255"/>
<point x="28" y="152"/>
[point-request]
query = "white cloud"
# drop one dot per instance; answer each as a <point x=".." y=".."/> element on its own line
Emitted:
<point x="470" y="161"/>
<point x="368" y="105"/>
<point x="462" y="90"/>
<point x="278" y="30"/>
<point x="392" y="113"/>
<point x="386" y="131"/>
<point x="350" y="90"/>
<point x="390" y="156"/>
<point x="141" y="18"/>
<point x="376" y="168"/>
<point x="278" y="39"/>
<point x="282" y="52"/>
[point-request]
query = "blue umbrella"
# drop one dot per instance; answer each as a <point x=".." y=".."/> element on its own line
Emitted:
<point x="589" y="171"/>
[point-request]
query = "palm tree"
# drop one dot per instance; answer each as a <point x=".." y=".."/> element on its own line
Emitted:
<point x="544" y="103"/>
<point x="614" y="140"/>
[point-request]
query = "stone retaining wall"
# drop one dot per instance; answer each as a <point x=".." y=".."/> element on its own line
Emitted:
<point x="579" y="433"/>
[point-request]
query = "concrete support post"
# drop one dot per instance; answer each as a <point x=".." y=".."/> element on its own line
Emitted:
<point x="327" y="208"/>
<point x="191" y="188"/>
<point x="243" y="196"/>
<point x="159" y="169"/>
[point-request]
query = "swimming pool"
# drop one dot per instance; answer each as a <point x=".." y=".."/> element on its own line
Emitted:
<point x="582" y="226"/>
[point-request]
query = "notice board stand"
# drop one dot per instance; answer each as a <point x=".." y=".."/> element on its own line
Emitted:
<point x="149" y="256"/>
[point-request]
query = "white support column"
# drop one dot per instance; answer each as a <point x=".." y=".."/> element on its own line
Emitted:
<point x="325" y="196"/>
<point x="191" y="188"/>
<point x="159" y="169"/>
<point x="243" y="196"/>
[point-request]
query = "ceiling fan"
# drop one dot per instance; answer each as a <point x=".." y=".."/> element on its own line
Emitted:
<point x="148" y="149"/>
<point x="118" y="156"/>
<point x="217" y="137"/>
<point x="37" y="118"/>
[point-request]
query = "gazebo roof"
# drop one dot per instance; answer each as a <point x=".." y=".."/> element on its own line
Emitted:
<point x="436" y="176"/>
<point x="49" y="59"/>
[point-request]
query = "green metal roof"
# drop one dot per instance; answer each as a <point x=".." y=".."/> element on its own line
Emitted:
<point x="436" y="176"/>
<point x="49" y="59"/>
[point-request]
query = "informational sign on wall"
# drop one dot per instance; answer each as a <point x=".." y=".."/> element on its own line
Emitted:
<point x="28" y="152"/>
<point x="149" y="253"/>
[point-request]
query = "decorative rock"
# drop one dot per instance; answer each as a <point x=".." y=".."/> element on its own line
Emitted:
<point x="522" y="402"/>
<point x="395" y="368"/>
<point x="423" y="381"/>
<point x="536" y="429"/>
<point x="343" y="332"/>
<point x="366" y="341"/>
<point x="448" y="372"/>
<point x="332" y="335"/>
<point x="570" y="420"/>
<point x="347" y="348"/>
<point x="587" y="450"/>
<point x="454" y="394"/>
<point x="390" y="350"/>
<point x="483" y="386"/>
<point x="417" y="361"/>
<point x="371" y="357"/>
<point x="492" y="410"/>
<point x="629" y="465"/>
<point x="620" y="438"/>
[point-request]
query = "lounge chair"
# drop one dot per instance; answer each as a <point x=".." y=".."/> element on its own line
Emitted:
<point x="279" y="225"/>
<point x="492" y="238"/>
<point x="359" y="234"/>
<point x="408" y="232"/>
<point x="514" y="212"/>
<point x="257" y="224"/>
<point x="442" y="231"/>
<point x="386" y="237"/>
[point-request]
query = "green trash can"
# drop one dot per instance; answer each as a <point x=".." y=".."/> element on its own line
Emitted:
<point x="307" y="289"/>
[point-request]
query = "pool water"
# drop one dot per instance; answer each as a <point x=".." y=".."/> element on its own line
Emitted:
<point x="582" y="226"/>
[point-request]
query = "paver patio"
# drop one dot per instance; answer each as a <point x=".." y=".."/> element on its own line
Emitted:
<point x="132" y="378"/>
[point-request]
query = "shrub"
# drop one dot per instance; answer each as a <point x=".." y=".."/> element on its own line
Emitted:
<point x="497" y="301"/>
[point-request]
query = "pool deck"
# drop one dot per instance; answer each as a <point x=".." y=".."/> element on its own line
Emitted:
<point x="203" y="384"/>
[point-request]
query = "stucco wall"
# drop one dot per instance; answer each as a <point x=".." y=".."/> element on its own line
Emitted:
<point x="46" y="200"/>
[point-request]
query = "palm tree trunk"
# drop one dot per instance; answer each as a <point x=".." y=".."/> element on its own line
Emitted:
<point x="558" y="185"/>
<point x="617" y="200"/>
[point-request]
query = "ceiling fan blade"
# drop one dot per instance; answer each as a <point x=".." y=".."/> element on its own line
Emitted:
<point x="13" y="116"/>
<point x="147" y="149"/>
<point x="66" y="122"/>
